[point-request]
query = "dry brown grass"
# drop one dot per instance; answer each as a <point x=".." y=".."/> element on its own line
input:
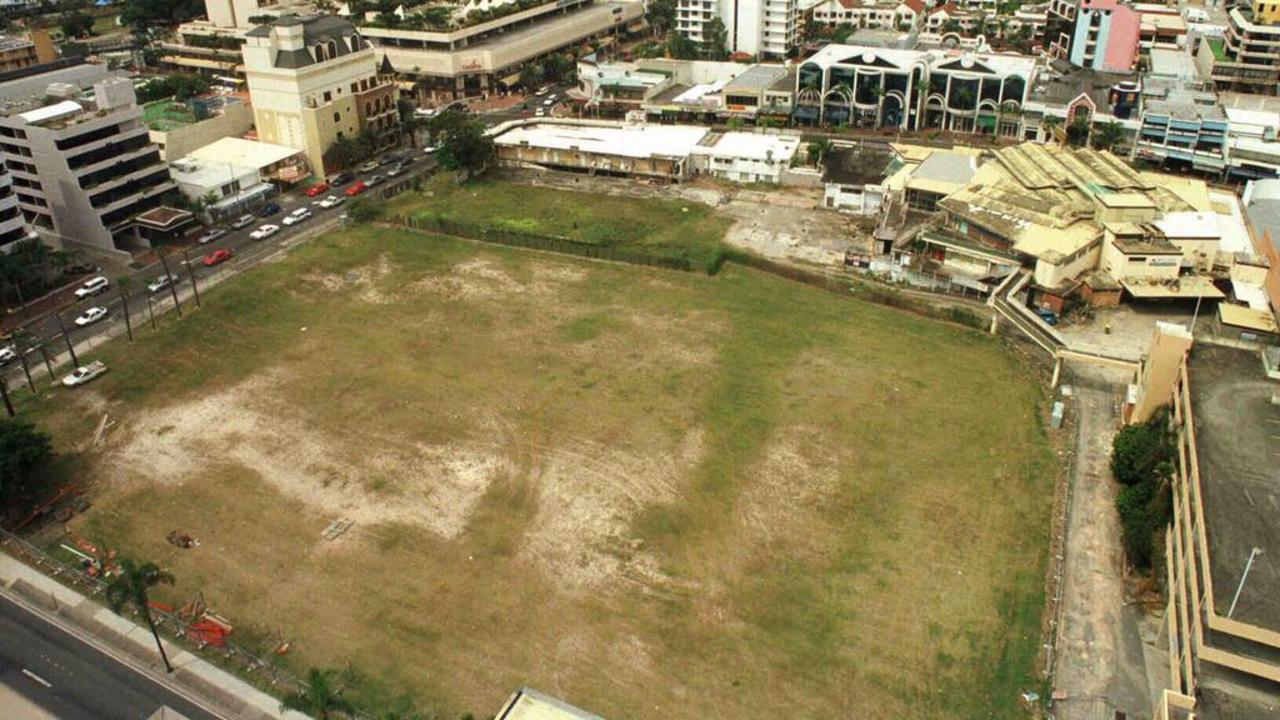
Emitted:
<point x="651" y="493"/>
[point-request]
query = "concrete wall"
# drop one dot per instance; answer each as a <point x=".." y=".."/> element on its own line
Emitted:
<point x="236" y="119"/>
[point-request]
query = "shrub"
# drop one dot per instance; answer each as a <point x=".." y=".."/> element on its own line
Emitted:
<point x="363" y="211"/>
<point x="1141" y="451"/>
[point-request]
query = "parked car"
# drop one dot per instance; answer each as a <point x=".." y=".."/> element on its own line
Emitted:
<point x="7" y="355"/>
<point x="242" y="222"/>
<point x="159" y="284"/>
<point x="341" y="179"/>
<point x="84" y="373"/>
<point x="369" y="166"/>
<point x="356" y="188"/>
<point x="269" y="210"/>
<point x="91" y="316"/>
<point x="297" y="216"/>
<point x="390" y="158"/>
<point x="543" y="90"/>
<point x="430" y="149"/>
<point x="211" y="235"/>
<point x="1048" y="316"/>
<point x="397" y="169"/>
<point x="92" y="286"/>
<point x="373" y="180"/>
<point x="332" y="201"/>
<point x="217" y="257"/>
<point x="264" y="232"/>
<point x="318" y="189"/>
<point x="540" y="112"/>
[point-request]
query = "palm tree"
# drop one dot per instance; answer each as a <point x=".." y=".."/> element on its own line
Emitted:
<point x="130" y="587"/>
<point x="1051" y="124"/>
<point x="1108" y="135"/>
<point x="123" y="284"/>
<point x="22" y="338"/>
<point x="317" y="697"/>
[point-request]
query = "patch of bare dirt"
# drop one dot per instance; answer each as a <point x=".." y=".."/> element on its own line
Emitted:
<point x="482" y="278"/>
<point x="798" y="475"/>
<point x="434" y="486"/>
<point x="366" y="280"/>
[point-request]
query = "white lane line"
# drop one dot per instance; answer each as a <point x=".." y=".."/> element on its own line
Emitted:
<point x="37" y="678"/>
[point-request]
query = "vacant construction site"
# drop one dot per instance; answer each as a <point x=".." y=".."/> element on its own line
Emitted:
<point x="652" y="493"/>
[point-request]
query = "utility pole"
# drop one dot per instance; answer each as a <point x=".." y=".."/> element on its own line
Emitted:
<point x="26" y="370"/>
<point x="192" y="274"/>
<point x="1247" y="567"/>
<point x="173" y="288"/>
<point x="4" y="394"/>
<point x="47" y="365"/>
<point x="75" y="362"/>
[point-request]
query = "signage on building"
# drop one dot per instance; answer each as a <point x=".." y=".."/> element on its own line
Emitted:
<point x="1164" y="262"/>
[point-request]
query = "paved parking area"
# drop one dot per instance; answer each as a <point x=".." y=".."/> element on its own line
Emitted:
<point x="1125" y="331"/>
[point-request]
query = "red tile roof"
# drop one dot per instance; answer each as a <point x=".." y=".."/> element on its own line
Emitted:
<point x="917" y="6"/>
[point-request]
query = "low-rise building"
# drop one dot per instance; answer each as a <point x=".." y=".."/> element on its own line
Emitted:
<point x="17" y="51"/>
<point x="179" y="128"/>
<point x="232" y="173"/>
<point x="1247" y="57"/>
<point x="854" y="179"/>
<point x="84" y="170"/>
<point x="1183" y="127"/>
<point x="666" y="152"/>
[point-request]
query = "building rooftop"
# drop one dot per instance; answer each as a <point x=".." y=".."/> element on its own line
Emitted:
<point x="638" y="141"/>
<point x="1238" y="449"/>
<point x="749" y="146"/>
<point x="756" y="80"/>
<point x="858" y="165"/>
<point x="937" y="59"/>
<point x="338" y="35"/>
<point x="1063" y="82"/>
<point x="529" y="704"/>
<point x="165" y="115"/>
<point x="1169" y="63"/>
<point x="244" y="153"/>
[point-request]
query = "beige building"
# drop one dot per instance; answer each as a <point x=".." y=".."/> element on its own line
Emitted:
<point x="313" y="79"/>
<point x="17" y="52"/>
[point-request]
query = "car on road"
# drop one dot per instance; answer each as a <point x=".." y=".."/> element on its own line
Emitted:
<point x="356" y="188"/>
<point x="430" y="149"/>
<point x="159" y="284"/>
<point x="264" y="232"/>
<point x="543" y="90"/>
<point x="373" y="180"/>
<point x="369" y="166"/>
<point x="92" y="286"/>
<point x="390" y="158"/>
<point x="269" y="210"/>
<point x="217" y="257"/>
<point x="84" y="373"/>
<point x="212" y="235"/>
<point x="242" y="222"/>
<point x="318" y="189"/>
<point x="297" y="216"/>
<point x="7" y="355"/>
<point x="340" y="179"/>
<point x="91" y="316"/>
<point x="399" y="168"/>
<point x="332" y="201"/>
<point x="540" y="112"/>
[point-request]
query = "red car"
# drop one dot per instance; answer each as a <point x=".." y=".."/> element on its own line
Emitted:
<point x="356" y="188"/>
<point x="217" y="257"/>
<point x="316" y="189"/>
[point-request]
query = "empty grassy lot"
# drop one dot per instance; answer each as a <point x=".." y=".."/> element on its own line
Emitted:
<point x="660" y="228"/>
<point x="655" y="494"/>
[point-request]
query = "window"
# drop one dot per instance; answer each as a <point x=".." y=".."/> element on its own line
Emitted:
<point x="328" y="96"/>
<point x="355" y="88"/>
<point x="337" y="117"/>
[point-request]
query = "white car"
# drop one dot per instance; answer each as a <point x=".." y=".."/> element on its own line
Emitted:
<point x="332" y="201"/>
<point x="158" y="284"/>
<point x="7" y="355"/>
<point x="91" y="316"/>
<point x="84" y="374"/>
<point x="264" y="232"/>
<point x="92" y="286"/>
<point x="297" y="216"/>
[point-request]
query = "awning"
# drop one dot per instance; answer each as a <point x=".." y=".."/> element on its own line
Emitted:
<point x="1248" y="318"/>
<point x="1192" y="286"/>
<point x="987" y="122"/>
<point x="510" y="80"/>
<point x="407" y="85"/>
<point x="197" y="62"/>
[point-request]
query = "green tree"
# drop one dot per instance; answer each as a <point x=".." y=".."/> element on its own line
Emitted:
<point x="531" y="76"/>
<point x="25" y="453"/>
<point x="681" y="47"/>
<point x="715" y="42"/>
<point x="132" y="586"/>
<point x="1107" y="135"/>
<point x="343" y="153"/>
<point x="318" y="697"/>
<point x="1141" y="452"/>
<point x="661" y="15"/>
<point x="363" y="211"/>
<point x="143" y="15"/>
<point x="463" y="143"/>
<point x="818" y="149"/>
<point x="951" y="26"/>
<point x="76" y="24"/>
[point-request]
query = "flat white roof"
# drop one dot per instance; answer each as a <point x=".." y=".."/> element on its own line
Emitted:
<point x="245" y="153"/>
<point x="1252" y="117"/>
<point x="1189" y="224"/>
<point x="752" y="146"/>
<point x="697" y="92"/>
<point x="637" y="141"/>
<point x="51" y="112"/>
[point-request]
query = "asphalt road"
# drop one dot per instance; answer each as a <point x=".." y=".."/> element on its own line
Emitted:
<point x="71" y="680"/>
<point x="48" y="332"/>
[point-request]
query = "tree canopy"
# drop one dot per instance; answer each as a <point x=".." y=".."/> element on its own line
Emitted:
<point x="25" y="452"/>
<point x="462" y="142"/>
<point x="143" y="15"/>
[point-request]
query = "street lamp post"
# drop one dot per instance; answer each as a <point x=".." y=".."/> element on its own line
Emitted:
<point x="1247" y="567"/>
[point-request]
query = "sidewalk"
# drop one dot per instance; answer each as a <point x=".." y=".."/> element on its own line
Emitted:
<point x="200" y="682"/>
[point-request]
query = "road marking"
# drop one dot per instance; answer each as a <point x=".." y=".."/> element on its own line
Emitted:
<point x="37" y="678"/>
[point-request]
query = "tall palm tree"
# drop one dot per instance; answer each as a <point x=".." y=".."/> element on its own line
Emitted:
<point x="130" y="587"/>
<point x="318" y="697"/>
<point x="163" y="251"/>
<point x="124" y="283"/>
<point x="22" y="341"/>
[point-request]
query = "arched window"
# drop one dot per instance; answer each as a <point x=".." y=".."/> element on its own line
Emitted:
<point x="320" y="53"/>
<point x="333" y="49"/>
<point x="368" y="109"/>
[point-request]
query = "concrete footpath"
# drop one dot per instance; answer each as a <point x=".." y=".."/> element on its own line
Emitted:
<point x="211" y="688"/>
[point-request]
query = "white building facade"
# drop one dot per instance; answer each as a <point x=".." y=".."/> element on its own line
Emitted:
<point x="763" y="28"/>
